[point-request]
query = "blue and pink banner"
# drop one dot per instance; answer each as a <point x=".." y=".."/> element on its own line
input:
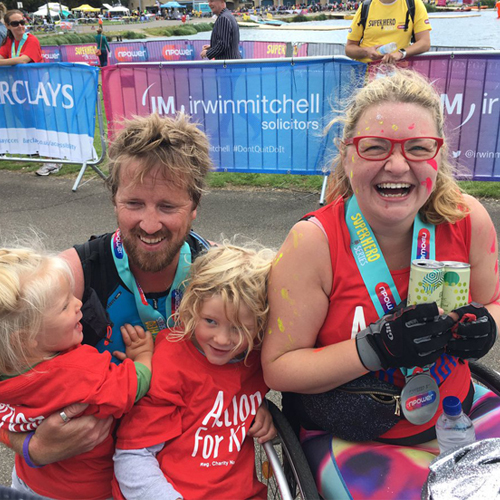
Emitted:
<point x="48" y="109"/>
<point x="260" y="117"/>
<point x="469" y="85"/>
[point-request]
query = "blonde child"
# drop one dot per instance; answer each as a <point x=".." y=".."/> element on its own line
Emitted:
<point x="44" y="367"/>
<point x="187" y="437"/>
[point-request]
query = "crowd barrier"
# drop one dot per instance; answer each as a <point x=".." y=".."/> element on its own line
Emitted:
<point x="189" y="50"/>
<point x="50" y="110"/>
<point x="260" y="116"/>
<point x="281" y="139"/>
<point x="263" y="115"/>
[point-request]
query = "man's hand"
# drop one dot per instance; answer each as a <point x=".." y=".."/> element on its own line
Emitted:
<point x="55" y="440"/>
<point x="474" y="334"/>
<point x="262" y="427"/>
<point x="373" y="53"/>
<point x="412" y="336"/>
<point x="392" y="58"/>
<point x="203" y="52"/>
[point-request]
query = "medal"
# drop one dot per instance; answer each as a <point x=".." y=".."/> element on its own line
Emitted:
<point x="420" y="398"/>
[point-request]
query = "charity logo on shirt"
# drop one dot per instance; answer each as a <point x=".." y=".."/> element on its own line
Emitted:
<point x="222" y="432"/>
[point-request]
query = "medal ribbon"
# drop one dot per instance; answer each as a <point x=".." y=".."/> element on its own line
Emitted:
<point x="370" y="261"/>
<point x="13" y="52"/>
<point x="152" y="319"/>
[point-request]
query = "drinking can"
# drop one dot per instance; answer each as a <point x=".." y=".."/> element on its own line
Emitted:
<point x="456" y="285"/>
<point x="426" y="282"/>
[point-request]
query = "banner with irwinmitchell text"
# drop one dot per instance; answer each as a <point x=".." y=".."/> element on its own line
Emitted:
<point x="48" y="109"/>
<point x="262" y="116"/>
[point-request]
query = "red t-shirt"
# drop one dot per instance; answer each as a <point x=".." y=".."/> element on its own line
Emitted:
<point x="351" y="308"/>
<point x="31" y="48"/>
<point x="81" y="375"/>
<point x="202" y="412"/>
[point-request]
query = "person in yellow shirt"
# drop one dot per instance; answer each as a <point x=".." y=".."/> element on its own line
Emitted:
<point x="385" y="23"/>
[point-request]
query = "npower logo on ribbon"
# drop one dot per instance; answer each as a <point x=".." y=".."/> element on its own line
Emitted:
<point x="385" y="296"/>
<point x="176" y="53"/>
<point x="423" y="243"/>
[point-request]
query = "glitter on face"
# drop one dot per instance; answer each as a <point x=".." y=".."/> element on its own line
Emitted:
<point x="395" y="127"/>
<point x="411" y="127"/>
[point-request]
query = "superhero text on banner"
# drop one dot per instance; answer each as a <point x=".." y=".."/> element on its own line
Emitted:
<point x="48" y="109"/>
<point x="259" y="117"/>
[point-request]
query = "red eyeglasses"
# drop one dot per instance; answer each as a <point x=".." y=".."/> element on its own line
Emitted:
<point x="373" y="148"/>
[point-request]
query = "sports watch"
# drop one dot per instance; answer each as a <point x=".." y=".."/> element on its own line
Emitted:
<point x="403" y="51"/>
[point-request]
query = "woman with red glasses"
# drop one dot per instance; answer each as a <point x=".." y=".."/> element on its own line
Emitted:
<point x="337" y="292"/>
<point x="18" y="47"/>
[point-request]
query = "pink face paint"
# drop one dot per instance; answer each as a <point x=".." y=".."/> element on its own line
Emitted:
<point x="433" y="164"/>
<point x="493" y="236"/>
<point x="428" y="184"/>
<point x="411" y="127"/>
<point x="381" y="131"/>
<point x="496" y="268"/>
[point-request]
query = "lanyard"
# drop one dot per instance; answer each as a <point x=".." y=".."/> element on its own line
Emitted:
<point x="13" y="52"/>
<point x="151" y="318"/>
<point x="370" y="261"/>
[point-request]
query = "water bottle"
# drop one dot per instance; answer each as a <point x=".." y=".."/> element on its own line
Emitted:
<point x="388" y="48"/>
<point x="454" y="428"/>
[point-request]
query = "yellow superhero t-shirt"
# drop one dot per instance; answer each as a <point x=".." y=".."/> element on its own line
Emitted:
<point x="385" y="24"/>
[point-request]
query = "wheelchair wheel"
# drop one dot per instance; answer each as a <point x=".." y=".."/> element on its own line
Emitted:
<point x="282" y="465"/>
<point x="485" y="376"/>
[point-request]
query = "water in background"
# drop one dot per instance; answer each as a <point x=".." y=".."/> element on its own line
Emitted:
<point x="482" y="31"/>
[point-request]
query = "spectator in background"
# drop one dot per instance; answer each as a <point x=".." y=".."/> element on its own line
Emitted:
<point x="102" y="48"/>
<point x="20" y="47"/>
<point x="225" y="39"/>
<point x="383" y="25"/>
<point x="3" y="29"/>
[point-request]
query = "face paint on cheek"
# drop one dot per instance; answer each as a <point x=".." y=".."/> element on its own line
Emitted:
<point x="395" y="127"/>
<point x="433" y="164"/>
<point x="411" y="127"/>
<point x="281" y="326"/>
<point x="493" y="236"/>
<point x="428" y="184"/>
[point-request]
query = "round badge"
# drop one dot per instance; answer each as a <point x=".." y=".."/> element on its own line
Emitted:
<point x="420" y="399"/>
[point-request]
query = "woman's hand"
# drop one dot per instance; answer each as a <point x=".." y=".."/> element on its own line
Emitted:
<point x="262" y="427"/>
<point x="413" y="336"/>
<point x="474" y="334"/>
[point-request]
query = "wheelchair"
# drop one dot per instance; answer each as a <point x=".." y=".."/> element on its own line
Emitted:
<point x="283" y="467"/>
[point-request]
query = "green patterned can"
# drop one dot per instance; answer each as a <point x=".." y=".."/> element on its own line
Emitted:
<point x="426" y="282"/>
<point x="456" y="285"/>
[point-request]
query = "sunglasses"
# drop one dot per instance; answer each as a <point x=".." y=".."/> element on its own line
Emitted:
<point x="15" y="24"/>
<point x="374" y="148"/>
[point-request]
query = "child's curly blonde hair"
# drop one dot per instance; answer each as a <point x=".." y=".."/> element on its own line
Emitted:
<point x="236" y="274"/>
<point x="29" y="284"/>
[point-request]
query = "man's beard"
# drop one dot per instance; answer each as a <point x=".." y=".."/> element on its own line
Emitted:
<point x="152" y="262"/>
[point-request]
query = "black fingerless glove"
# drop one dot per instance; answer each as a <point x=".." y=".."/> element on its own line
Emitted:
<point x="412" y="336"/>
<point x="474" y="334"/>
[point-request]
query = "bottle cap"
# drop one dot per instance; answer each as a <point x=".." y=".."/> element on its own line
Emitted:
<point x="452" y="406"/>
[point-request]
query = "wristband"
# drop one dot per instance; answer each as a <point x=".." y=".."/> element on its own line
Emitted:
<point x="26" y="453"/>
<point x="5" y="438"/>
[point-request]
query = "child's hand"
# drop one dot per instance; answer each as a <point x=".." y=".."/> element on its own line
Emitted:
<point x="138" y="345"/>
<point x="262" y="428"/>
